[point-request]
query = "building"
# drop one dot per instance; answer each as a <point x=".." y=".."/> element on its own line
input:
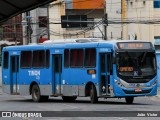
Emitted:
<point x="114" y="11"/>
<point x="36" y="26"/>
<point x="11" y="30"/>
<point x="142" y="17"/>
<point x="76" y="18"/>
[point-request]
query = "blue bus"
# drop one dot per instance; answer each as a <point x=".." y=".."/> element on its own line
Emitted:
<point x="158" y="68"/>
<point x="85" y="68"/>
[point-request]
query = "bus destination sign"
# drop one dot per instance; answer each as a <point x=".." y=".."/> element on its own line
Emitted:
<point x="134" y="45"/>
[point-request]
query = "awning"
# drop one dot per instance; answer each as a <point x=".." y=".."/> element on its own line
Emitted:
<point x="7" y="43"/>
<point x="10" y="8"/>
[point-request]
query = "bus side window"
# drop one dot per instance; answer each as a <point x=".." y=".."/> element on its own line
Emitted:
<point x="66" y="58"/>
<point x="76" y="57"/>
<point x="47" y="58"/>
<point x="26" y="59"/>
<point x="38" y="58"/>
<point x="5" y="60"/>
<point x="90" y="57"/>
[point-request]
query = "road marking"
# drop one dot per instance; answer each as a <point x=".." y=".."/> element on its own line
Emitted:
<point x="70" y="106"/>
<point x="120" y="118"/>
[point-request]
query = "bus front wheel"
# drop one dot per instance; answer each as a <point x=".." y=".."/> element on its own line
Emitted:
<point x="93" y="94"/>
<point x="129" y="100"/>
<point x="36" y="95"/>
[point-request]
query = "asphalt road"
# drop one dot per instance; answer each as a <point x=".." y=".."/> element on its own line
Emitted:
<point x="81" y="105"/>
<point x="18" y="103"/>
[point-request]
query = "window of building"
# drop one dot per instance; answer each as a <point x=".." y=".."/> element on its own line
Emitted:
<point x="157" y="40"/>
<point x="38" y="58"/>
<point x="90" y="57"/>
<point x="156" y="3"/>
<point x="73" y="21"/>
<point x="5" y="60"/>
<point x="66" y="58"/>
<point x="26" y="59"/>
<point x="43" y="21"/>
<point x="76" y="57"/>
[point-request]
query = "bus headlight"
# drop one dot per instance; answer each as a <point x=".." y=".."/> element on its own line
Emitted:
<point x="118" y="83"/>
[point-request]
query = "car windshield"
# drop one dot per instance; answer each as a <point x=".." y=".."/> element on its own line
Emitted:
<point x="136" y="63"/>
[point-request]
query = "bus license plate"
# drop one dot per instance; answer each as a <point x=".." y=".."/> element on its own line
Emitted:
<point x="138" y="90"/>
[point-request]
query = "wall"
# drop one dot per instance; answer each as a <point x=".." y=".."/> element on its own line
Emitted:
<point x="113" y="8"/>
<point x="55" y="12"/>
<point x="88" y="4"/>
<point x="141" y="11"/>
<point x="37" y="31"/>
<point x="57" y="9"/>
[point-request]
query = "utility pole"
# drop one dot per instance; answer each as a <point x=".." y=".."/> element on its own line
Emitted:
<point x="105" y="25"/>
<point x="28" y="17"/>
<point x="105" y="21"/>
<point x="48" y="25"/>
<point x="15" y="34"/>
<point x="123" y="19"/>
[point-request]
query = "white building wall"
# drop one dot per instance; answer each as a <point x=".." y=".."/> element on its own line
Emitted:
<point x="113" y="8"/>
<point x="141" y="11"/>
<point x="157" y="26"/>
<point x="55" y="11"/>
<point x="37" y="32"/>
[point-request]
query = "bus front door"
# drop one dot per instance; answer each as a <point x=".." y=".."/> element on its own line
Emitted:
<point x="14" y="67"/>
<point x="105" y="72"/>
<point x="57" y="71"/>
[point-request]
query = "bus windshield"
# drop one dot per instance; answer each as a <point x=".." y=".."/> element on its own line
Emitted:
<point x="136" y="63"/>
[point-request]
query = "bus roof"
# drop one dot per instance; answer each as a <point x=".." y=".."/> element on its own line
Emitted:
<point x="71" y="44"/>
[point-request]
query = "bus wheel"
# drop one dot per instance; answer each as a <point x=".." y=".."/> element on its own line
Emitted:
<point x="36" y="96"/>
<point x="93" y="94"/>
<point x="129" y="100"/>
<point x="69" y="98"/>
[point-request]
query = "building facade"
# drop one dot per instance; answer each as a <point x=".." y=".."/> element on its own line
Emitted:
<point x="143" y="16"/>
<point x="11" y="30"/>
<point x="114" y="11"/>
<point x="76" y="19"/>
<point x="36" y="26"/>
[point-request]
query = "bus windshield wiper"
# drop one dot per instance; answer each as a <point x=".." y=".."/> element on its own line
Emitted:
<point x="143" y="57"/>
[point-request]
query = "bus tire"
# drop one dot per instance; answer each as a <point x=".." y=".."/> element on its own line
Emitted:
<point x="36" y="95"/>
<point x="129" y="100"/>
<point x="93" y="94"/>
<point x="69" y="98"/>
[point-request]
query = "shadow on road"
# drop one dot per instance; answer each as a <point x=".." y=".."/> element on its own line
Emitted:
<point x="104" y="102"/>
